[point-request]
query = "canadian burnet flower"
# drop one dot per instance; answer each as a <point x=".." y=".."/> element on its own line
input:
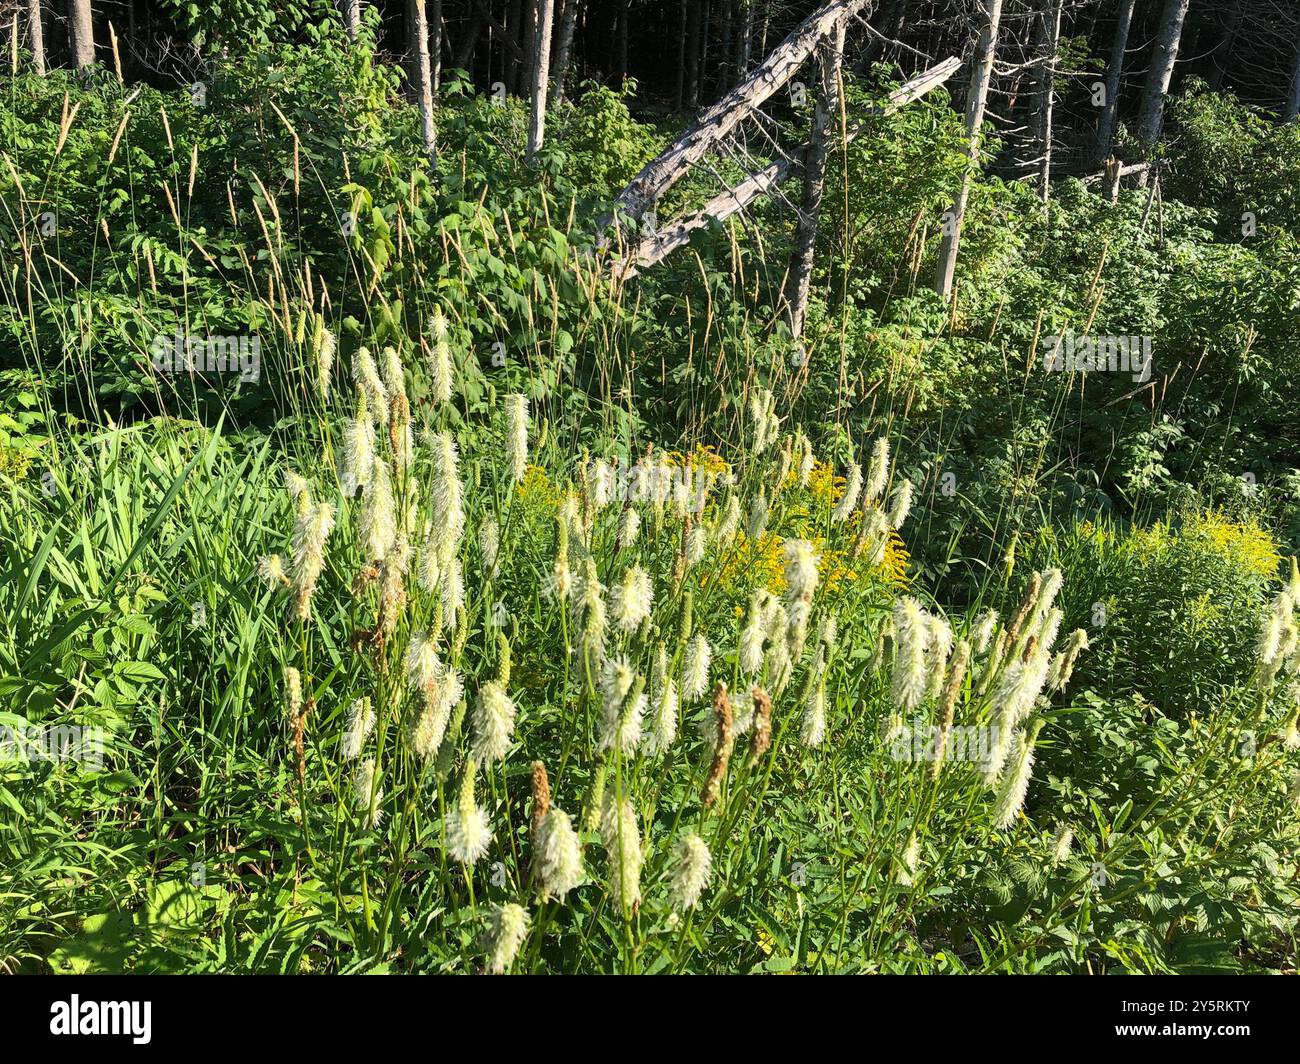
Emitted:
<point x="663" y="705"/>
<point x="558" y="855"/>
<point x="447" y="498"/>
<point x="367" y="794"/>
<point x="806" y="460"/>
<point x="912" y="633"/>
<point x="909" y="862"/>
<point x="517" y="436"/>
<point x="753" y="635"/>
<point x="696" y="545"/>
<point x="270" y="570"/>
<point x="394" y="374"/>
<point x="632" y="599"/>
<point x="872" y="537"/>
<point x="453" y="588"/>
<point x="1062" y="844"/>
<point x="292" y="693"/>
<point x="623" y="703"/>
<point x="489" y="544"/>
<point x="591" y="600"/>
<point x="465" y="826"/>
<point x="757" y="523"/>
<point x="507" y="931"/>
<point x="982" y="633"/>
<point x="877" y="471"/>
<point x="428" y="726"/>
<point x="326" y="348"/>
<point x="312" y="527"/>
<point x="1013" y="785"/>
<point x="360" y="723"/>
<point x="729" y="523"/>
<point x="493" y="723"/>
<point x="1273" y="637"/>
<point x="365" y="375"/>
<point x="900" y="505"/>
<point x="377" y="522"/>
<point x="812" y="730"/>
<point x="695" y="667"/>
<point x="440" y="368"/>
<point x="359" y="445"/>
<point x="629" y="527"/>
<point x="852" y="488"/>
<point x="621" y="837"/>
<point x="691" y="869"/>
<point x="800" y="570"/>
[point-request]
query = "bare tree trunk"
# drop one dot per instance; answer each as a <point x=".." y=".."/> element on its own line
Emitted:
<point x="798" y="282"/>
<point x="976" y="101"/>
<point x="352" y="18"/>
<point x="1222" y="51"/>
<point x="82" y="29"/>
<point x="1161" y="73"/>
<point x="435" y="45"/>
<point x="1114" y="72"/>
<point x="682" y="35"/>
<point x="564" y="48"/>
<point x="463" y="57"/>
<point x="36" y="30"/>
<point x="1050" y="29"/>
<point x="541" y="76"/>
<point x="747" y="37"/>
<point x="654" y="247"/>
<point x="692" y="66"/>
<point x="1293" y="103"/>
<point x="424" y="78"/>
<point x="722" y="117"/>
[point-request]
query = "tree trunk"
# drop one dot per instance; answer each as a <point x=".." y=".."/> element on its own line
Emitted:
<point x="564" y="48"/>
<point x="1050" y="29"/>
<point x="541" y="76"/>
<point x="1160" y="74"/>
<point x="81" y="27"/>
<point x="352" y="18"/>
<point x="1114" y="72"/>
<point x="692" y="66"/>
<point x="463" y="58"/>
<point x="36" y="30"/>
<point x="514" y="64"/>
<point x="976" y="101"/>
<point x="1222" y="51"/>
<point x="435" y="45"/>
<point x="424" y="78"/>
<point x="719" y="120"/>
<point x="798" y="284"/>
<point x="1293" y="103"/>
<point x="682" y="35"/>
<point x="747" y="37"/>
<point x="654" y="247"/>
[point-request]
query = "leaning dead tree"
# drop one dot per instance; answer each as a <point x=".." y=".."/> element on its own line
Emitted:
<point x="653" y="247"/>
<point x="1114" y="72"/>
<point x="830" y="57"/>
<point x="719" y="120"/>
<point x="1160" y="74"/>
<point x="976" y="101"/>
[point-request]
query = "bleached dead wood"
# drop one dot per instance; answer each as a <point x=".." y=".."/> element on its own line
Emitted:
<point x="653" y="247"/>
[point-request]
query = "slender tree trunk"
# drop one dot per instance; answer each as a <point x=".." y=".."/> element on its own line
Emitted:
<point x="435" y="45"/>
<point x="1050" y="28"/>
<point x="1222" y="51"/>
<point x="541" y="75"/>
<point x="747" y="38"/>
<point x="1160" y="74"/>
<point x="623" y="18"/>
<point x="682" y="26"/>
<point x="424" y="78"/>
<point x="798" y="284"/>
<point x="514" y="18"/>
<point x="976" y="101"/>
<point x="36" y="30"/>
<point x="1293" y="103"/>
<point x="463" y="57"/>
<point x="81" y="27"/>
<point x="564" y="48"/>
<point x="1114" y="72"/>
<point x="692" y="64"/>
<point x="352" y="18"/>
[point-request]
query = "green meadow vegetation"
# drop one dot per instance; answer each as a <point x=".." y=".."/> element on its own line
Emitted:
<point x="468" y="609"/>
